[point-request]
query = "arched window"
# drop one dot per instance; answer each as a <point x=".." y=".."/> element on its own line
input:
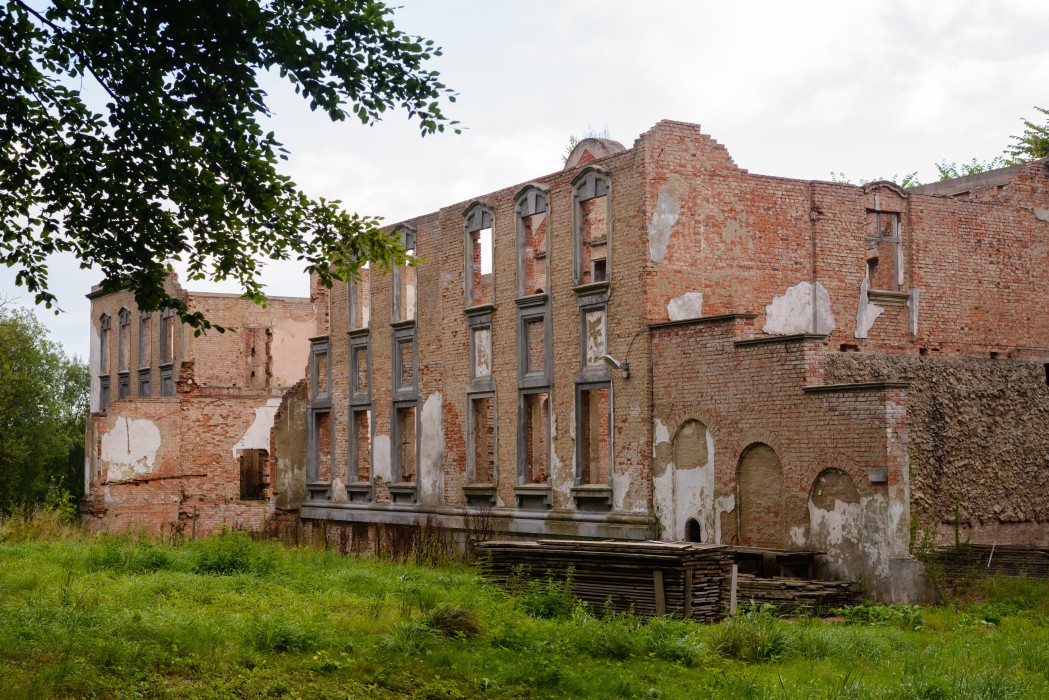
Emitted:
<point x="530" y="212"/>
<point x="480" y="248"/>
<point x="591" y="226"/>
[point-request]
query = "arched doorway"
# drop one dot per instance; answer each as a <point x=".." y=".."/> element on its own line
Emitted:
<point x="759" y="493"/>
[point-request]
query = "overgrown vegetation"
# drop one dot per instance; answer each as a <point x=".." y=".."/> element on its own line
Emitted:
<point x="228" y="617"/>
<point x="43" y="401"/>
<point x="1031" y="144"/>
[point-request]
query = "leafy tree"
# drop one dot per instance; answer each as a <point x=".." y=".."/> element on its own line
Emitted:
<point x="1032" y="144"/>
<point x="951" y="170"/>
<point x="43" y="400"/>
<point x="176" y="165"/>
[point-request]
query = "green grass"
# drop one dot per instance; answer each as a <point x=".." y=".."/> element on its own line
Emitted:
<point x="117" y="617"/>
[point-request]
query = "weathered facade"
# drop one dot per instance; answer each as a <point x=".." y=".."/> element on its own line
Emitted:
<point x="651" y="343"/>
<point x="179" y="436"/>
<point x="656" y="343"/>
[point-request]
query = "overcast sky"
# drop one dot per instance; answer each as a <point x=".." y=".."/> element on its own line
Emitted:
<point x="800" y="89"/>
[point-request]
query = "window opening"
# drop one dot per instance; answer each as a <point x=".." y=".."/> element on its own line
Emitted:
<point x="103" y="344"/>
<point x="406" y="281"/>
<point x="144" y="344"/>
<point x="406" y="447"/>
<point x="145" y="382"/>
<point x="124" y="341"/>
<point x="322" y="445"/>
<point x="407" y="364"/>
<point x="693" y="532"/>
<point x="167" y="381"/>
<point x="479" y="256"/>
<point x="536" y="346"/>
<point x="253" y="474"/>
<point x="123" y="385"/>
<point x="483" y="435"/>
<point x="884" y="255"/>
<point x="482" y="339"/>
<point x="167" y="336"/>
<point x="361" y="469"/>
<point x="591" y="228"/>
<point x="532" y="242"/>
<point x="360" y="299"/>
<point x="593" y="432"/>
<point x="537" y="437"/>
<point x="322" y="373"/>
<point x="360" y="370"/>
<point x="103" y="393"/>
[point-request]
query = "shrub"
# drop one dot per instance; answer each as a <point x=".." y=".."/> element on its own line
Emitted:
<point x="232" y="553"/>
<point x="549" y="598"/>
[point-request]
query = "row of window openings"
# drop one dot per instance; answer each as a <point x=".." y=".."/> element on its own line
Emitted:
<point x="594" y="422"/>
<point x="167" y="339"/>
<point x="591" y="236"/>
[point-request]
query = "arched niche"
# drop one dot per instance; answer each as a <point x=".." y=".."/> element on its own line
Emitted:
<point x="759" y="495"/>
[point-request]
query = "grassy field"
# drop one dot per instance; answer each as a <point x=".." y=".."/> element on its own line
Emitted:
<point x="230" y="618"/>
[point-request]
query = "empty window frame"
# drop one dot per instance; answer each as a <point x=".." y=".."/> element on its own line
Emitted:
<point x="534" y="438"/>
<point x="591" y="229"/>
<point x="167" y="381"/>
<point x="530" y="213"/>
<point x="253" y="474"/>
<point x="145" y="346"/>
<point x="405" y="363"/>
<point x="534" y="352"/>
<point x="480" y="466"/>
<point x="320" y="369"/>
<point x="167" y="336"/>
<point x="145" y="382"/>
<point x="103" y="344"/>
<point x="593" y="434"/>
<point x="884" y="252"/>
<point x="405" y="442"/>
<point x="360" y="445"/>
<point x="360" y="299"/>
<point x="479" y="256"/>
<point x="405" y="281"/>
<point x="104" y="395"/>
<point x="360" y="371"/>
<point x="123" y="385"/>
<point x="124" y="340"/>
<point x="319" y="439"/>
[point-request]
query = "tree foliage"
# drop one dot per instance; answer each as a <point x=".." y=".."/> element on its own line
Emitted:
<point x="1032" y="144"/>
<point x="43" y="401"/>
<point x="176" y="165"/>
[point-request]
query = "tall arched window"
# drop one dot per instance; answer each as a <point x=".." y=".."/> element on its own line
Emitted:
<point x="480" y="247"/>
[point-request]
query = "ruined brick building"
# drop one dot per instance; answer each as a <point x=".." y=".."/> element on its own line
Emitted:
<point x="179" y="435"/>
<point x="655" y="343"/>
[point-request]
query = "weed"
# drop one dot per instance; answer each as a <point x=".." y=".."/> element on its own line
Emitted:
<point x="908" y="617"/>
<point x="278" y="633"/>
<point x="755" y="634"/>
<point x="453" y="621"/>
<point x="410" y="638"/>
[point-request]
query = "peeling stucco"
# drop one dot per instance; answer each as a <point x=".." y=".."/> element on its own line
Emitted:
<point x="866" y="312"/>
<point x="912" y="304"/>
<point x="381" y="458"/>
<point x="596" y="332"/>
<point x="620" y="490"/>
<point x="688" y="305"/>
<point x="1041" y="214"/>
<point x="722" y="506"/>
<point x="129" y="449"/>
<point x="257" y="436"/>
<point x="482" y="352"/>
<point x="803" y="308"/>
<point x="338" y="491"/>
<point x="431" y="449"/>
<point x="662" y="224"/>
<point x="683" y="485"/>
<point x="94" y="353"/>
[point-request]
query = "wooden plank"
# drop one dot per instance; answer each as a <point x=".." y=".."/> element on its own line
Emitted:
<point x="661" y="600"/>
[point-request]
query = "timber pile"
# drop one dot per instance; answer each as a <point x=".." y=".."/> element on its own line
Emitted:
<point x="1009" y="560"/>
<point x="791" y="595"/>
<point x="649" y="578"/>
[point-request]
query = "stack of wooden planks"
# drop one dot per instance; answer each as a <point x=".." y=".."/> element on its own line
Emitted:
<point x="648" y="578"/>
<point x="1010" y="560"/>
<point x="792" y="595"/>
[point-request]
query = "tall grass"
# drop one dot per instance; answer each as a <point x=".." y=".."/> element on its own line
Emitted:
<point x="108" y="616"/>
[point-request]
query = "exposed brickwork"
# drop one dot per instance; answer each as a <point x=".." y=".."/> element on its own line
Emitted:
<point x="162" y="463"/>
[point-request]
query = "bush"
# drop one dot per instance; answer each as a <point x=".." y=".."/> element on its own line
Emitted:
<point x="547" y="598"/>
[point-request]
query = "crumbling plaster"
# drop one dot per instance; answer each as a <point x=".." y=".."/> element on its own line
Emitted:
<point x="129" y="448"/>
<point x="803" y="308"/>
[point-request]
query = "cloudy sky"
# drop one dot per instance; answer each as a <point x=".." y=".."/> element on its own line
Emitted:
<point x="801" y="90"/>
